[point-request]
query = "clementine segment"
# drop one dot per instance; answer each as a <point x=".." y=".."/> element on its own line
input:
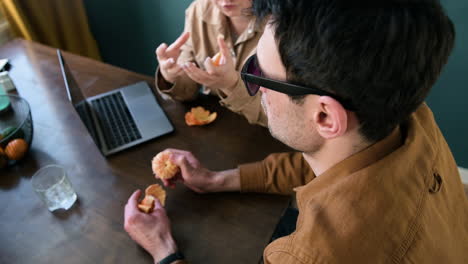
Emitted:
<point x="145" y="208"/>
<point x="217" y="59"/>
<point x="148" y="200"/>
<point x="147" y="204"/>
<point x="152" y="192"/>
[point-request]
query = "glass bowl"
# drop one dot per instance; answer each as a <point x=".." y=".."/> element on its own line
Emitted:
<point x="16" y="129"/>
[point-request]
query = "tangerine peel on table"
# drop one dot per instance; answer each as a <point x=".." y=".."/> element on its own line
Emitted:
<point x="199" y="116"/>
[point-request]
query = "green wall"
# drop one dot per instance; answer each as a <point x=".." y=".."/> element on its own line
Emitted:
<point x="449" y="97"/>
<point x="128" y="32"/>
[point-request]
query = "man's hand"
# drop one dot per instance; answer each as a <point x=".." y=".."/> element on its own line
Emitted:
<point x="167" y="58"/>
<point x="224" y="75"/>
<point x="198" y="178"/>
<point x="151" y="231"/>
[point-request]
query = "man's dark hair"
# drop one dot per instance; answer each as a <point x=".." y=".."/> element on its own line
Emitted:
<point x="383" y="56"/>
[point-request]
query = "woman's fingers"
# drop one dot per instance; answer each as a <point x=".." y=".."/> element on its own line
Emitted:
<point x="175" y="47"/>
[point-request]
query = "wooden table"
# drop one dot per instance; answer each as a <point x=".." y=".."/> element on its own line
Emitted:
<point x="209" y="228"/>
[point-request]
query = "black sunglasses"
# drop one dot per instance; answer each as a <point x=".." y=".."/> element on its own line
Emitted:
<point x="253" y="79"/>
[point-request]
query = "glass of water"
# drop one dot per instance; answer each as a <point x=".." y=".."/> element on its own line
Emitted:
<point x="53" y="187"/>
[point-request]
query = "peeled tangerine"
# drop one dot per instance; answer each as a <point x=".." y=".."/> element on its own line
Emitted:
<point x="198" y="116"/>
<point x="16" y="149"/>
<point x="163" y="167"/>
<point x="152" y="192"/>
<point x="216" y="60"/>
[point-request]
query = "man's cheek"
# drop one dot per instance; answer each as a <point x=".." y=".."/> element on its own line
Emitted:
<point x="264" y="103"/>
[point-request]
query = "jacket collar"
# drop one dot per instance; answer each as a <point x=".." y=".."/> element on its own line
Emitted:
<point x="358" y="160"/>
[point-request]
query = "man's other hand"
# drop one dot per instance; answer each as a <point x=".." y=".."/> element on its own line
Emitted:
<point x="151" y="231"/>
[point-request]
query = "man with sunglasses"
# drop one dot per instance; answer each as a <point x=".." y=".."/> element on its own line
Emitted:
<point x="345" y="85"/>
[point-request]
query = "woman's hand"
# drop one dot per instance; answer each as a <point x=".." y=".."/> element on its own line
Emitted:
<point x="222" y="76"/>
<point x="167" y="58"/>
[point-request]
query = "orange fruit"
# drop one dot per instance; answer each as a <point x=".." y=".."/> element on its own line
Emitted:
<point x="16" y="149"/>
<point x="163" y="167"/>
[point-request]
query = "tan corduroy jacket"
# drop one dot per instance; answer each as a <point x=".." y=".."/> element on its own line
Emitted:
<point x="399" y="201"/>
<point x="205" y="22"/>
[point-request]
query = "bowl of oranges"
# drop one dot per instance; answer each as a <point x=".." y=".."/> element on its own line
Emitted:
<point x="16" y="129"/>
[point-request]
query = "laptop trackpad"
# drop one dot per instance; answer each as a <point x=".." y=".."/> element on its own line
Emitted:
<point x="149" y="117"/>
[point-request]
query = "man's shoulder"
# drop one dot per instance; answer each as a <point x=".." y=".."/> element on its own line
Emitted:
<point x="402" y="201"/>
<point x="368" y="221"/>
<point x="424" y="119"/>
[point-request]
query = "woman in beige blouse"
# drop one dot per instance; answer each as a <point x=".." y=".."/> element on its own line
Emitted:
<point x="185" y="66"/>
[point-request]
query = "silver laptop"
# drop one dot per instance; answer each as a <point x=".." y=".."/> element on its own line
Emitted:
<point x="118" y="119"/>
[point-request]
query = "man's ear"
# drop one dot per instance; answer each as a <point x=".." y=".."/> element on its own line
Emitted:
<point x="331" y="118"/>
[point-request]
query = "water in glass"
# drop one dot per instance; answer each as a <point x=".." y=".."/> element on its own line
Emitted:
<point x="53" y="188"/>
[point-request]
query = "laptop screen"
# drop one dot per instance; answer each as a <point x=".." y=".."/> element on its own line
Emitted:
<point x="75" y="95"/>
<point x="77" y="99"/>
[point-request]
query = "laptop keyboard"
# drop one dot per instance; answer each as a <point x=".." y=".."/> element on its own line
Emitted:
<point x="83" y="112"/>
<point x="115" y="120"/>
